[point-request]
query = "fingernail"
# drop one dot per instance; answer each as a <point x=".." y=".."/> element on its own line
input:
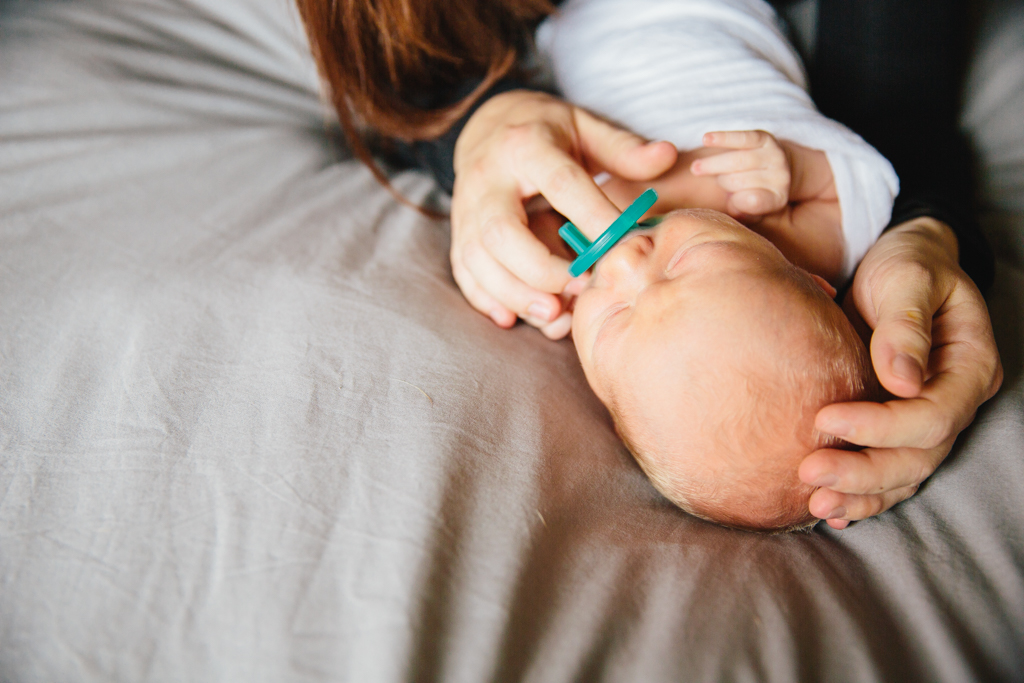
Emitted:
<point x="837" y="427"/>
<point x="826" y="480"/>
<point x="539" y="310"/>
<point x="838" y="513"/>
<point x="905" y="367"/>
<point x="576" y="285"/>
<point x="497" y="315"/>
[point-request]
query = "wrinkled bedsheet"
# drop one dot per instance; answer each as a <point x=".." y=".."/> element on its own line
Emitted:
<point x="251" y="431"/>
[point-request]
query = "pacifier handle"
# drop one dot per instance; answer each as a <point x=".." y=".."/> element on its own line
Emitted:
<point x="589" y="252"/>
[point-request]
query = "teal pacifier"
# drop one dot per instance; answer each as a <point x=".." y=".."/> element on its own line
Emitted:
<point x="588" y="252"/>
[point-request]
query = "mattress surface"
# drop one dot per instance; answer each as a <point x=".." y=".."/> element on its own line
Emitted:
<point x="250" y="430"/>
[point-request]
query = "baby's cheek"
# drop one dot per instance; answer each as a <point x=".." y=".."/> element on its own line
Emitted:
<point x="578" y="338"/>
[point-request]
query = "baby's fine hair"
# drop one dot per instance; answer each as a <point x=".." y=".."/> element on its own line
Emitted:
<point x="838" y="370"/>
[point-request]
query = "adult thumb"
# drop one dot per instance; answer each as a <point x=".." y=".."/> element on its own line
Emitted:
<point x="902" y="338"/>
<point x="621" y="152"/>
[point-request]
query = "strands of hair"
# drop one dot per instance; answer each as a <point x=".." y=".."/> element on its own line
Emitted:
<point x="391" y="66"/>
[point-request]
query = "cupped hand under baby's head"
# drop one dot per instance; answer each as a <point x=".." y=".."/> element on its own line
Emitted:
<point x="714" y="353"/>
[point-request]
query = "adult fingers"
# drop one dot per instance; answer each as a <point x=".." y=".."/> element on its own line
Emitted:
<point x="908" y="423"/>
<point x="902" y="338"/>
<point x="832" y="505"/>
<point x="561" y="326"/>
<point x="621" y="152"/>
<point x="872" y="470"/>
<point x="498" y="216"/>
<point x="480" y="299"/>
<point x="544" y="168"/>
<point x="508" y="290"/>
<point x="966" y="371"/>
<point x="517" y="248"/>
<point x="556" y="329"/>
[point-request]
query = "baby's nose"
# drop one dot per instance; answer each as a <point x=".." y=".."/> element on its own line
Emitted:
<point x="622" y="262"/>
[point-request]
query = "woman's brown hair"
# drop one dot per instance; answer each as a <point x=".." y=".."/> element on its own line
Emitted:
<point x="394" y="66"/>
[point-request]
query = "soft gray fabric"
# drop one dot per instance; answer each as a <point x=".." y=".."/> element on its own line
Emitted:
<point x="250" y="430"/>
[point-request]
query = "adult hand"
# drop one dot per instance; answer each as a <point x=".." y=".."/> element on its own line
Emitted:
<point x="933" y="348"/>
<point x="516" y="146"/>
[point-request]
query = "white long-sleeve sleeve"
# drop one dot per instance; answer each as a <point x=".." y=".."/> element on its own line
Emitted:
<point x="676" y="69"/>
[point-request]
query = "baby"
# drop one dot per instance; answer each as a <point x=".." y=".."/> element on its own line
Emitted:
<point x="713" y="354"/>
<point x="714" y="347"/>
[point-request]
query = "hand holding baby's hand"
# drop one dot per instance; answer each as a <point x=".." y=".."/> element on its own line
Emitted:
<point x="756" y="174"/>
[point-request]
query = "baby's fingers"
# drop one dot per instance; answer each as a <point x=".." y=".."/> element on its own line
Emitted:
<point x="729" y="162"/>
<point x="737" y="139"/>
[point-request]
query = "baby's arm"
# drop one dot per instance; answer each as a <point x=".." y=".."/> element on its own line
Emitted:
<point x="782" y="190"/>
<point x="675" y="70"/>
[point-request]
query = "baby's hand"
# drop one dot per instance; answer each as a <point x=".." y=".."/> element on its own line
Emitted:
<point x="756" y="175"/>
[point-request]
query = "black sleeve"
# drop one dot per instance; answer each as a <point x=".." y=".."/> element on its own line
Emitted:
<point x="892" y="71"/>
<point x="437" y="156"/>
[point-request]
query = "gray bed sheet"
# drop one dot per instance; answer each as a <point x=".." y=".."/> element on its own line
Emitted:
<point x="250" y="430"/>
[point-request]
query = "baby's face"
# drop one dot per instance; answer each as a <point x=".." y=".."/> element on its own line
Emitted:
<point x="690" y="332"/>
<point x="696" y="281"/>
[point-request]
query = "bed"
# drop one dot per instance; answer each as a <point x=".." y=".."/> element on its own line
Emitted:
<point x="251" y="431"/>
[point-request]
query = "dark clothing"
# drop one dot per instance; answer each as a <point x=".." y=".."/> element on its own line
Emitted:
<point x="891" y="70"/>
<point x="438" y="156"/>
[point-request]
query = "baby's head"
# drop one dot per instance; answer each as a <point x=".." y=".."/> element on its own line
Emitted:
<point x="714" y="354"/>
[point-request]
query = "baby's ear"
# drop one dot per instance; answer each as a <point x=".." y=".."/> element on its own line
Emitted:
<point x="823" y="283"/>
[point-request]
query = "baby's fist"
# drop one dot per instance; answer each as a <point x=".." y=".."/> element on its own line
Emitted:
<point x="756" y="173"/>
